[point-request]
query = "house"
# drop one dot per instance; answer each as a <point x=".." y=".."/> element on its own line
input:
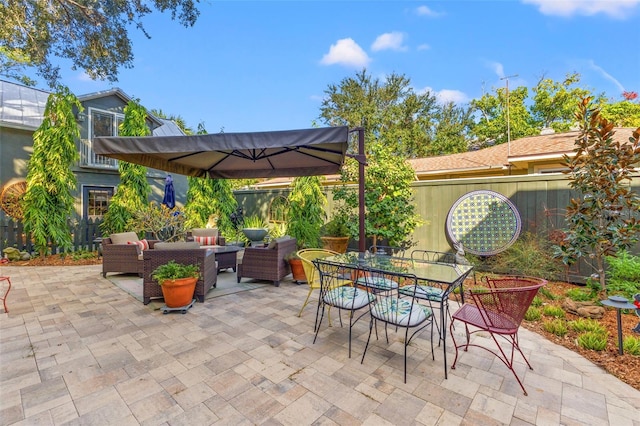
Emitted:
<point x="21" y="113"/>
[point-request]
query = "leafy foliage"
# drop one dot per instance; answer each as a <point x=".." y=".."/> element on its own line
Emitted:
<point x="306" y="211"/>
<point x="174" y="271"/>
<point x="624" y="274"/>
<point x="530" y="255"/>
<point x="48" y="201"/>
<point x="623" y="114"/>
<point x="603" y="219"/>
<point x="582" y="325"/>
<point x="593" y="341"/>
<point x="580" y="295"/>
<point x="631" y="345"/>
<point x="163" y="223"/>
<point x="133" y="190"/>
<point x="533" y="314"/>
<point x="92" y="35"/>
<point x="553" y="311"/>
<point x="556" y="326"/>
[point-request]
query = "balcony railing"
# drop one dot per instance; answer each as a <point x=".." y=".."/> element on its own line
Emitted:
<point x="88" y="158"/>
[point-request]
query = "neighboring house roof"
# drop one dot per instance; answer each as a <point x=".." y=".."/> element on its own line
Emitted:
<point x="22" y="107"/>
<point x="517" y="154"/>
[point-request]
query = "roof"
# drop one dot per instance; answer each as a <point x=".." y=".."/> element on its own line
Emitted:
<point x="22" y="107"/>
<point x="532" y="148"/>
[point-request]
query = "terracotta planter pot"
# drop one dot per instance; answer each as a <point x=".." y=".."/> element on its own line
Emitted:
<point x="297" y="270"/>
<point x="178" y="293"/>
<point x="338" y="244"/>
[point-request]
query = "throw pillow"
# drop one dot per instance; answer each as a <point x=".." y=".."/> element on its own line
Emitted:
<point x="143" y="244"/>
<point x="206" y="241"/>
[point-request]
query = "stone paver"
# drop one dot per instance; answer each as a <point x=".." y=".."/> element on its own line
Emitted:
<point x="76" y="349"/>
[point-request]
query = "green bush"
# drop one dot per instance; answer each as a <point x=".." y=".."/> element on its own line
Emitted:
<point x="593" y="340"/>
<point x="533" y="314"/>
<point x="582" y="325"/>
<point x="556" y="326"/>
<point x="631" y="345"/>
<point x="547" y="293"/>
<point x="553" y="311"/>
<point x="579" y="294"/>
<point x="537" y="302"/>
<point x="530" y="255"/>
<point x="623" y="274"/>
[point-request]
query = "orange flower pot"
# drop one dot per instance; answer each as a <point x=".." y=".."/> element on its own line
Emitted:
<point x="178" y="293"/>
<point x="297" y="271"/>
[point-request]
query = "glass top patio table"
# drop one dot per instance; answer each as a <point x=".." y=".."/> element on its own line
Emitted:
<point x="443" y="273"/>
<point x="447" y="274"/>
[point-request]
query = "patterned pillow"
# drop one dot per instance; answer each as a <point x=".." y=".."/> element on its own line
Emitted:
<point x="206" y="241"/>
<point x="143" y="244"/>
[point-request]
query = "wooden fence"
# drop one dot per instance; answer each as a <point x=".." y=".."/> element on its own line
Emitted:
<point x="83" y="235"/>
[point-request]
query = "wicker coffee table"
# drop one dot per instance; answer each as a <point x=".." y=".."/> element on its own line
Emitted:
<point x="226" y="256"/>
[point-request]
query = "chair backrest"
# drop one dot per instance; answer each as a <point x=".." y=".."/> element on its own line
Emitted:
<point x="389" y="305"/>
<point x="335" y="289"/>
<point x="310" y="271"/>
<point x="512" y="281"/>
<point x="433" y="256"/>
<point x="503" y="308"/>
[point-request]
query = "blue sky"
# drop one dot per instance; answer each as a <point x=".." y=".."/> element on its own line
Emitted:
<point x="265" y="65"/>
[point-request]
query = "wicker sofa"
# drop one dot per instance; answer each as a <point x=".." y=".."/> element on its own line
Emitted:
<point x="267" y="263"/>
<point x="120" y="256"/>
<point x="181" y="252"/>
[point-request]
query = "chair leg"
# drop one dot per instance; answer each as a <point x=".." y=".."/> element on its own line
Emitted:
<point x="368" y="338"/>
<point x="305" y="302"/>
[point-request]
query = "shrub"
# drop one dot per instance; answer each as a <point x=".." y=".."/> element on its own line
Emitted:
<point x="593" y="341"/>
<point x="537" y="302"/>
<point x="582" y="325"/>
<point x="556" y="326"/>
<point x="553" y="311"/>
<point x="547" y="293"/>
<point x="579" y="294"/>
<point x="624" y="274"/>
<point x="533" y="314"/>
<point x="631" y="345"/>
<point x="529" y="255"/>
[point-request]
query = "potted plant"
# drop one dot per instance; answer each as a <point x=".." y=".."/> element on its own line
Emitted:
<point x="178" y="282"/>
<point x="255" y="229"/>
<point x="297" y="269"/>
<point x="335" y="234"/>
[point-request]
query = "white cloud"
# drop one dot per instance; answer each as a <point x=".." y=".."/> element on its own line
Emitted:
<point x="389" y="41"/>
<point x="606" y="75"/>
<point x="426" y="11"/>
<point x="614" y="8"/>
<point x="346" y="52"/>
<point x="83" y="76"/>
<point x="424" y="46"/>
<point x="497" y="68"/>
<point x="445" y="96"/>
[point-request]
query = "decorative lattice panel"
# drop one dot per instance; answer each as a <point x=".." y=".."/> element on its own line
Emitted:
<point x="484" y="222"/>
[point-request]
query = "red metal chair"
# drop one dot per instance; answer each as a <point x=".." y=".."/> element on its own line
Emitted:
<point x="4" y="298"/>
<point x="498" y="310"/>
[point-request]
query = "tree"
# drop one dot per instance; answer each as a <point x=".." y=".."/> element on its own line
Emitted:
<point x="624" y="114"/>
<point x="306" y="211"/>
<point x="133" y="191"/>
<point x="390" y="211"/>
<point x="92" y="35"/>
<point x="555" y="102"/>
<point x="208" y="198"/>
<point x="390" y="108"/>
<point x="48" y="201"/>
<point x="604" y="219"/>
<point x="451" y="130"/>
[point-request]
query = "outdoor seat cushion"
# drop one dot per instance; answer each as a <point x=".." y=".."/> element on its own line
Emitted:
<point x="348" y="297"/>
<point x="124" y="237"/>
<point x="398" y="311"/>
<point x="204" y="232"/>
<point x="378" y="283"/>
<point x="424" y="292"/>
<point x="179" y="245"/>
<point x="211" y="241"/>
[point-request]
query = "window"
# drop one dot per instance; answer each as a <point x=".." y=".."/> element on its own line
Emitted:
<point x="278" y="210"/>
<point x="96" y="201"/>
<point x="103" y="123"/>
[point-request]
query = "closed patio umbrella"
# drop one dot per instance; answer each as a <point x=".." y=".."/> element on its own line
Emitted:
<point x="169" y="199"/>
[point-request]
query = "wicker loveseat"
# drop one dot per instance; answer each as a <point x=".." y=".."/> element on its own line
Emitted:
<point x="201" y="234"/>
<point x="118" y="255"/>
<point x="181" y="252"/>
<point x="267" y="263"/>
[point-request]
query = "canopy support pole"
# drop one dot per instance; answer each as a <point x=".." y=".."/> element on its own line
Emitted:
<point x="362" y="161"/>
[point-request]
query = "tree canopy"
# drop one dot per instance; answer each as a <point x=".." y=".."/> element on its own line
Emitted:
<point x="93" y="35"/>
